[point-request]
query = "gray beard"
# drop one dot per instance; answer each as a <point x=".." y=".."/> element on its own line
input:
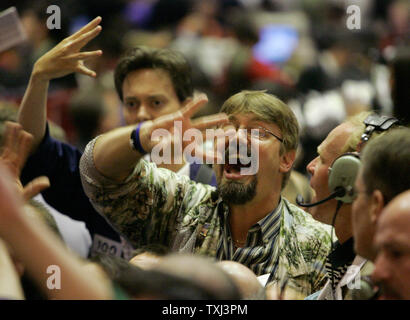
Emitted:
<point x="237" y="193"/>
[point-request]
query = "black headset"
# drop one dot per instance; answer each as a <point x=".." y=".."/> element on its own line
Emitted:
<point x="344" y="169"/>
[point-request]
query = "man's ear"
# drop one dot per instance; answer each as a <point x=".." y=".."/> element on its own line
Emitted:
<point x="287" y="160"/>
<point x="377" y="205"/>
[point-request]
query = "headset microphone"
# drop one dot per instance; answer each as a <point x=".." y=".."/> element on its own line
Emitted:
<point x="339" y="192"/>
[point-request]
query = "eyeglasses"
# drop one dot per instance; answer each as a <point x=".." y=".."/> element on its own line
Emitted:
<point x="261" y="133"/>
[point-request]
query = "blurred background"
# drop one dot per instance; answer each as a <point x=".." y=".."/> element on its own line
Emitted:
<point x="299" y="50"/>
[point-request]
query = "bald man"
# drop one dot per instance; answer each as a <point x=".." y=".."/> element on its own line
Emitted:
<point x="146" y="257"/>
<point x="202" y="271"/>
<point x="244" y="278"/>
<point x="392" y="242"/>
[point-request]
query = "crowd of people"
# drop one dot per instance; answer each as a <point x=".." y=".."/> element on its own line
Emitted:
<point x="112" y="188"/>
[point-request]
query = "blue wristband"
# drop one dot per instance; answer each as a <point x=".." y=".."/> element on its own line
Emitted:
<point x="135" y="139"/>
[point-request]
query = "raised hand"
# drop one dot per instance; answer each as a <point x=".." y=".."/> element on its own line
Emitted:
<point x="115" y="159"/>
<point x="37" y="247"/>
<point x="184" y="116"/>
<point x="66" y="57"/>
<point x="13" y="156"/>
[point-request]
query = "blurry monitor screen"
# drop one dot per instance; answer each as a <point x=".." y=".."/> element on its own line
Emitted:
<point x="276" y="43"/>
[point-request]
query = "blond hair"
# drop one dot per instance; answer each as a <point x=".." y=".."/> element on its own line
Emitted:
<point x="357" y="121"/>
<point x="270" y="109"/>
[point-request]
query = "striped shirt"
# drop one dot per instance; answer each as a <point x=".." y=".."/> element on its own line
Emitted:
<point x="258" y="253"/>
<point x="338" y="261"/>
<point x="155" y="205"/>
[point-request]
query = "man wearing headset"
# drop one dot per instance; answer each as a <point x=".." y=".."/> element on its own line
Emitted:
<point x="342" y="263"/>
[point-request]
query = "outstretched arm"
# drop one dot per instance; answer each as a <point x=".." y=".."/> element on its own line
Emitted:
<point x="115" y="158"/>
<point x="63" y="59"/>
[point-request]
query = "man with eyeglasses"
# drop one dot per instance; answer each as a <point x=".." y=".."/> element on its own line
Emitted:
<point x="244" y="219"/>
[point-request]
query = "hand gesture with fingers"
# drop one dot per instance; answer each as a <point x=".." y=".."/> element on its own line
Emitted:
<point x="14" y="152"/>
<point x="184" y="115"/>
<point x="66" y="57"/>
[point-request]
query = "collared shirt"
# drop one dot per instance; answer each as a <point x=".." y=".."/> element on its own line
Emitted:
<point x="349" y="287"/>
<point x="258" y="253"/>
<point x="155" y="205"/>
<point x="344" y="270"/>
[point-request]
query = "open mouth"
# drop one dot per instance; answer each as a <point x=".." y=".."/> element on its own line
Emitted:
<point x="238" y="160"/>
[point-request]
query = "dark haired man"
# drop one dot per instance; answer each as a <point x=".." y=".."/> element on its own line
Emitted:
<point x="159" y="68"/>
<point x="54" y="159"/>
<point x="384" y="174"/>
<point x="151" y="82"/>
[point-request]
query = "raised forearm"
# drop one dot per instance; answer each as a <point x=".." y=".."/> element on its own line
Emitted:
<point x="32" y="113"/>
<point x="63" y="59"/>
<point x="113" y="156"/>
<point x="39" y="249"/>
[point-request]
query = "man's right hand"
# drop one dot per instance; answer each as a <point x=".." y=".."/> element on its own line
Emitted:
<point x="184" y="116"/>
<point x="115" y="159"/>
<point x="66" y="58"/>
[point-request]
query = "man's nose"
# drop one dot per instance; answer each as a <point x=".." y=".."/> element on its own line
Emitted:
<point x="238" y="144"/>
<point x="143" y="114"/>
<point x="381" y="268"/>
<point x="310" y="168"/>
<point x="238" y="137"/>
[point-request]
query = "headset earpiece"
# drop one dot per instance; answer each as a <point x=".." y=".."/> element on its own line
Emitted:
<point x="343" y="173"/>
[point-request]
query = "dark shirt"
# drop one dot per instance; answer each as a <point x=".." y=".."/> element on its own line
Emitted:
<point x="339" y="260"/>
<point x="60" y="163"/>
<point x="202" y="173"/>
